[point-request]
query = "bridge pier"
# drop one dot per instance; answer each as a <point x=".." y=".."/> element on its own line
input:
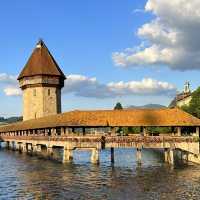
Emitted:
<point x="24" y="148"/>
<point x="95" y="156"/>
<point x="49" y="152"/>
<point x="112" y="155"/>
<point x="43" y="151"/>
<point x="39" y="148"/>
<point x="34" y="149"/>
<point x="67" y="155"/>
<point x="11" y="146"/>
<point x="169" y="156"/>
<point x="184" y="157"/>
<point x="7" y="145"/>
<point x="29" y="148"/>
<point x="16" y="146"/>
<point x="139" y="156"/>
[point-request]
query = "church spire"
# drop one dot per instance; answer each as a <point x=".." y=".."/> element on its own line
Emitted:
<point x="187" y="87"/>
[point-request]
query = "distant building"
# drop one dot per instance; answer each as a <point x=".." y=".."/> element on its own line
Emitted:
<point x="41" y="81"/>
<point x="182" y="98"/>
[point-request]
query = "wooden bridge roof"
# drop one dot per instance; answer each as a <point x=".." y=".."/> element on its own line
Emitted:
<point x="113" y="118"/>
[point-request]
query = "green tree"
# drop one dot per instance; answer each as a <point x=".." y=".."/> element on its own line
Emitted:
<point x="194" y="106"/>
<point x="118" y="106"/>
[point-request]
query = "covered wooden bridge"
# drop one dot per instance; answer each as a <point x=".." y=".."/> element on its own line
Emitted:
<point x="96" y="130"/>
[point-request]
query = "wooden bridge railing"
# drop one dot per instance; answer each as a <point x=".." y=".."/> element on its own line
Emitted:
<point x="106" y="139"/>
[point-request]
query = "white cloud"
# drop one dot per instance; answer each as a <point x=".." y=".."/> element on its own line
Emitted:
<point x="86" y="87"/>
<point x="83" y="86"/>
<point x="12" y="91"/>
<point x="90" y="87"/>
<point x="171" y="38"/>
<point x="10" y="85"/>
<point x="7" y="79"/>
<point x="146" y="86"/>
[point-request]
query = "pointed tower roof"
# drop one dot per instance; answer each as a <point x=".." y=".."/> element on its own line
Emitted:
<point x="41" y="62"/>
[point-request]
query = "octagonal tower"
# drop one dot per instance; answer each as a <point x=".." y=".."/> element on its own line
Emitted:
<point x="41" y="81"/>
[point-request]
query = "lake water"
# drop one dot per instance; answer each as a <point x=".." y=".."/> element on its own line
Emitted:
<point x="26" y="177"/>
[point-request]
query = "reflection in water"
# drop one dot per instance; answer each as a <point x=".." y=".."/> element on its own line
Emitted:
<point x="25" y="177"/>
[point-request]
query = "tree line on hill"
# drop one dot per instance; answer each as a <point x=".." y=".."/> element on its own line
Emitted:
<point x="9" y="120"/>
<point x="193" y="107"/>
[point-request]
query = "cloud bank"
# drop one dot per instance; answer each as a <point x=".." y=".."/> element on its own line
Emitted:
<point x="83" y="86"/>
<point x="89" y="87"/>
<point x="10" y="85"/>
<point x="170" y="39"/>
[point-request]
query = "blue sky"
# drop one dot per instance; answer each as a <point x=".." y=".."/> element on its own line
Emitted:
<point x="83" y="36"/>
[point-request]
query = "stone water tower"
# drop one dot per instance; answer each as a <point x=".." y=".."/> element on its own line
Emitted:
<point x="41" y="81"/>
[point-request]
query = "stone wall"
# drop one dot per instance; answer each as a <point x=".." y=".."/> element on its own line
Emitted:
<point x="41" y="96"/>
<point x="185" y="101"/>
<point x="41" y="101"/>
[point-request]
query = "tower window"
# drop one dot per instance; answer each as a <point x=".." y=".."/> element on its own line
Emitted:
<point x="49" y="92"/>
<point x="34" y="92"/>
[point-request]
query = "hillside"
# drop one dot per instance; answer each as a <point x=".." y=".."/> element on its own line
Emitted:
<point x="146" y="106"/>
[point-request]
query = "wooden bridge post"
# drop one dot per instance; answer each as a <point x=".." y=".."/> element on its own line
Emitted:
<point x="197" y="131"/>
<point x="67" y="131"/>
<point x="139" y="155"/>
<point x="67" y="155"/>
<point x="113" y="131"/>
<point x="95" y="156"/>
<point x="83" y="130"/>
<point x="112" y="155"/>
<point x="62" y="132"/>
<point x="179" y="131"/>
<point x="145" y="131"/>
<point x="141" y="130"/>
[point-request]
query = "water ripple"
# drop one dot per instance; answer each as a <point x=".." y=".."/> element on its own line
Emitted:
<point x="25" y="177"/>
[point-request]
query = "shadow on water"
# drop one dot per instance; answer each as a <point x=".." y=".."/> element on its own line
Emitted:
<point x="22" y="177"/>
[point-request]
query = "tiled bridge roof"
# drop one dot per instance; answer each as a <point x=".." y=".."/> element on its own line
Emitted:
<point x="112" y="118"/>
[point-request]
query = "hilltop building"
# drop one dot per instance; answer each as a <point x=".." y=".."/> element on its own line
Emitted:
<point x="182" y="98"/>
<point x="41" y="81"/>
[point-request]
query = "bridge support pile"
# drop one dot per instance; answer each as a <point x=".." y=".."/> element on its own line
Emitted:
<point x="169" y="155"/>
<point x="67" y="155"/>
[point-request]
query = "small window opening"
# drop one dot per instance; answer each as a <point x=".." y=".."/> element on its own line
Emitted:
<point x="34" y="92"/>
<point x="49" y="92"/>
